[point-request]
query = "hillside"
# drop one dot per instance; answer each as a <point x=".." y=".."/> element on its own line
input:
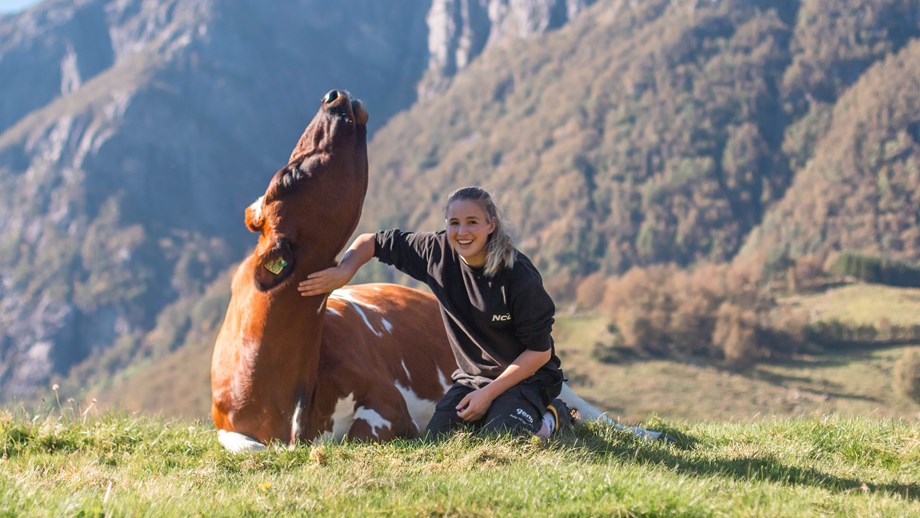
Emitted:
<point x="119" y="195"/>
<point x="133" y="134"/>
<point x="663" y="131"/>
<point x="616" y="134"/>
<point x="860" y="189"/>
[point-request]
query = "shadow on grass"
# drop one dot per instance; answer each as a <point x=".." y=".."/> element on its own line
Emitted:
<point x="623" y="445"/>
<point x="810" y="386"/>
<point x="818" y="357"/>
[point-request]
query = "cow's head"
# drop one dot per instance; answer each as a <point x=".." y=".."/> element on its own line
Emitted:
<point x="312" y="205"/>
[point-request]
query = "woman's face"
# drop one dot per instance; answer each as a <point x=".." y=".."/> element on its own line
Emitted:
<point x="468" y="230"/>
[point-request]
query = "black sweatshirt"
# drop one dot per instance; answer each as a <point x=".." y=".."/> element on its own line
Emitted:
<point x="490" y="321"/>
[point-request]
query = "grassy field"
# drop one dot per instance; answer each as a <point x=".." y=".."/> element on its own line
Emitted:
<point x="846" y="381"/>
<point x="815" y="435"/>
<point x="118" y="465"/>
<point x="862" y="304"/>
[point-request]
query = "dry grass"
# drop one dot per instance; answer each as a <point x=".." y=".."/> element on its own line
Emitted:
<point x="862" y="304"/>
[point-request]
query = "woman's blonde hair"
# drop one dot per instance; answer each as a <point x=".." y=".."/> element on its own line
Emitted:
<point x="500" y="249"/>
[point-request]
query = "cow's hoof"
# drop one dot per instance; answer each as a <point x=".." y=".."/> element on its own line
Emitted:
<point x="237" y="442"/>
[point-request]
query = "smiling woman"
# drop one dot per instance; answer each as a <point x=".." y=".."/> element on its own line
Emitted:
<point x="496" y="313"/>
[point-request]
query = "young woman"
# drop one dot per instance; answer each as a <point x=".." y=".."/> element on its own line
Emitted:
<point x="497" y="315"/>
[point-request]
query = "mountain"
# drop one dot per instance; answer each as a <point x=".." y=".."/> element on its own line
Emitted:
<point x="133" y="134"/>
<point x="615" y="133"/>
<point x="460" y="30"/>
<point x="649" y="132"/>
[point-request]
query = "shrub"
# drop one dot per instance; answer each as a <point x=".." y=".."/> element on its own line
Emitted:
<point x="907" y="374"/>
<point x="880" y="270"/>
<point x="590" y="291"/>
<point x="715" y="311"/>
<point x="736" y="335"/>
<point x="835" y="332"/>
<point x="809" y="271"/>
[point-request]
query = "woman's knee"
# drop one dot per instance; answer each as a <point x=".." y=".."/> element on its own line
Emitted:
<point x="516" y="420"/>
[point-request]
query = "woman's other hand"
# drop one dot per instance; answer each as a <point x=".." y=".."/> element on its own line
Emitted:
<point x="475" y="405"/>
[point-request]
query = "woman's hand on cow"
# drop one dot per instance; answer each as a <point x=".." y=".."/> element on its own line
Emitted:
<point x="474" y="406"/>
<point x="324" y="281"/>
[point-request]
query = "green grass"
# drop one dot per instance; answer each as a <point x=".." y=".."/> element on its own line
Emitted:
<point x="814" y="435"/>
<point x="118" y="465"/>
<point x="862" y="303"/>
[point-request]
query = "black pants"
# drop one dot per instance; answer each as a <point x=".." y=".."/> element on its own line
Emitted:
<point x="519" y="410"/>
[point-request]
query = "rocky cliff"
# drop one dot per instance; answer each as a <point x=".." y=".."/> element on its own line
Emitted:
<point x="460" y="30"/>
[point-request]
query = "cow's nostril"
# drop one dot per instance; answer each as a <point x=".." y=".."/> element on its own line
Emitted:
<point x="331" y="96"/>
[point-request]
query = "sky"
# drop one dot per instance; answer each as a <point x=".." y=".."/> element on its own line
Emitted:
<point x="12" y="6"/>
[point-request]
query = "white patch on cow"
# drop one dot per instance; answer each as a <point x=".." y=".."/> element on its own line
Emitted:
<point x="346" y="296"/>
<point x="443" y="380"/>
<point x="420" y="409"/>
<point x="366" y="321"/>
<point x="237" y="442"/>
<point x="342" y="418"/>
<point x="372" y="418"/>
<point x="295" y="422"/>
<point x="256" y="208"/>
<point x="387" y="325"/>
<point x="406" y="370"/>
<point x="333" y="311"/>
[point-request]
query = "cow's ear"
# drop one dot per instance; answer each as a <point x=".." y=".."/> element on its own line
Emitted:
<point x="274" y="266"/>
<point x="254" y="219"/>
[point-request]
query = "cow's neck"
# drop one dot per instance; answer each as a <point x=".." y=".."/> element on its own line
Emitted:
<point x="283" y="378"/>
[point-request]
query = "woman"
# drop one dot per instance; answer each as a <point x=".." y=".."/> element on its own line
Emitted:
<point x="497" y="315"/>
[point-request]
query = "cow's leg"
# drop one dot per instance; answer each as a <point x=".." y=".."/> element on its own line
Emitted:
<point x="237" y="442"/>
<point x="383" y="418"/>
<point x="589" y="413"/>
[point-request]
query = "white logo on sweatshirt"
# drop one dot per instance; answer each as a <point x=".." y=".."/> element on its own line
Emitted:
<point x="501" y="318"/>
<point x="524" y="414"/>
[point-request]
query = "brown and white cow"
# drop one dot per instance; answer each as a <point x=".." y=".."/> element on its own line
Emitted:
<point x="367" y="362"/>
<point x="290" y="368"/>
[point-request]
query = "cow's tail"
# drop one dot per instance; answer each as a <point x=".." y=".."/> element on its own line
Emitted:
<point x="586" y="412"/>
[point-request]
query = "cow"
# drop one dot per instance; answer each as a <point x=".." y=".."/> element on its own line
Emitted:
<point x="292" y="369"/>
<point x="366" y="362"/>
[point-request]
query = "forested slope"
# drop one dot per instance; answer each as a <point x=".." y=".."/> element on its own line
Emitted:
<point x="861" y="189"/>
<point x="659" y="131"/>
